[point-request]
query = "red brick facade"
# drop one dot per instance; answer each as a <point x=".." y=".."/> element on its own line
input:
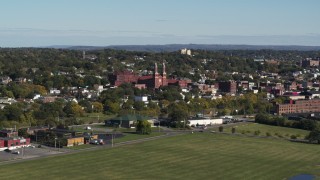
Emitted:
<point x="299" y="106"/>
<point x="154" y="81"/>
<point x="12" y="143"/>
<point x="1" y="143"/>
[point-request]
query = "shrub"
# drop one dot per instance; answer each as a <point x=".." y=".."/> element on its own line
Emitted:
<point x="268" y="134"/>
<point x="257" y="133"/>
<point x="233" y="130"/>
<point x="293" y="137"/>
<point x="143" y="127"/>
<point x="220" y="128"/>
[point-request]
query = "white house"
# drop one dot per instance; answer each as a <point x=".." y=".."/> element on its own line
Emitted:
<point x="54" y="91"/>
<point x="141" y="99"/>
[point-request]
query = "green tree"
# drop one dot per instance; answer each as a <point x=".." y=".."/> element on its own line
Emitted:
<point x="97" y="107"/>
<point x="112" y="107"/>
<point x="73" y="109"/>
<point x="143" y="127"/>
<point x="13" y="112"/>
<point x="23" y="133"/>
<point x="178" y="114"/>
<point x="314" y="136"/>
<point x="138" y="105"/>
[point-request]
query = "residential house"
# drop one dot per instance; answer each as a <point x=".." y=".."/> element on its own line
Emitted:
<point x="5" y="80"/>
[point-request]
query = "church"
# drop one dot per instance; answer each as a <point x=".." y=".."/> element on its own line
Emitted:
<point x="154" y="81"/>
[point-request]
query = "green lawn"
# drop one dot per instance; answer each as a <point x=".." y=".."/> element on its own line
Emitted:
<point x="95" y="117"/>
<point x="131" y="136"/>
<point x="190" y="156"/>
<point x="274" y="131"/>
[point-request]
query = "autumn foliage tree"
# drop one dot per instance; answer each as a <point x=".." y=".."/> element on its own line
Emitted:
<point x="143" y="127"/>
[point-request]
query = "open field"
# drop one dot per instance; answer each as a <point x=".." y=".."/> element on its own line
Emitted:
<point x="133" y="136"/>
<point x="190" y="156"/>
<point x="95" y="117"/>
<point x="275" y="131"/>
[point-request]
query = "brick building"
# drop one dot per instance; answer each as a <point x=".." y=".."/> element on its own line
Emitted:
<point x="154" y="81"/>
<point x="14" y="142"/>
<point x="2" y="147"/>
<point x="299" y="106"/>
<point x="119" y="78"/>
<point x="228" y="87"/>
<point x="310" y="62"/>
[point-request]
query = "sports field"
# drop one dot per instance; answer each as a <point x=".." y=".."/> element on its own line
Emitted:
<point x="190" y="156"/>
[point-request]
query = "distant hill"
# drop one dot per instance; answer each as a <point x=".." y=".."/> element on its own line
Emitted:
<point x="175" y="47"/>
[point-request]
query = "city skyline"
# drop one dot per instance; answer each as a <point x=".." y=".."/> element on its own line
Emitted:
<point x="123" y="22"/>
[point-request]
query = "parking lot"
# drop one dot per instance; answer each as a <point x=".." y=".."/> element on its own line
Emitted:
<point x="25" y="153"/>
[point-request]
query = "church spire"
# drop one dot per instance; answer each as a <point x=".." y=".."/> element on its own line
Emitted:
<point x="164" y="69"/>
<point x="155" y="69"/>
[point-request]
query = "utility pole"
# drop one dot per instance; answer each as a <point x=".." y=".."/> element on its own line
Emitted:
<point x="22" y="151"/>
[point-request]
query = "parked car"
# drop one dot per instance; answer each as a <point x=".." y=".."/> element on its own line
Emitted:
<point x="94" y="141"/>
<point x="15" y="152"/>
<point x="8" y="150"/>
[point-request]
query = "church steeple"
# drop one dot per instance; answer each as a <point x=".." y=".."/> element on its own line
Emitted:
<point x="164" y="69"/>
<point x="155" y="69"/>
<point x="164" y="75"/>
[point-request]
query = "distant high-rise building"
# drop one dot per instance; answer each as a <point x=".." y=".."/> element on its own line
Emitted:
<point x="186" y="51"/>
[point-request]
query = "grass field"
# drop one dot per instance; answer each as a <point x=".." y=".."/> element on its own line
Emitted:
<point x="274" y="131"/>
<point x="191" y="156"/>
<point x="131" y="136"/>
<point x="95" y="117"/>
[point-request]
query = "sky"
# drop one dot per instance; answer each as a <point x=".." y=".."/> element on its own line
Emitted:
<point x="36" y="23"/>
